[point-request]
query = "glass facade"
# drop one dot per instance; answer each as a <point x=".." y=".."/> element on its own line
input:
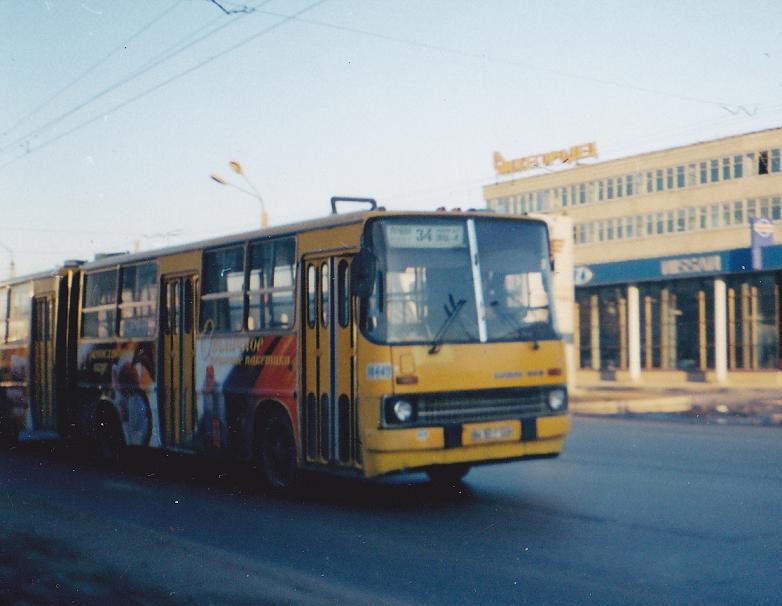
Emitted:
<point x="676" y="321"/>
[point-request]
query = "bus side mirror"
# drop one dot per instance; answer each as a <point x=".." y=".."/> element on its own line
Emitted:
<point x="362" y="273"/>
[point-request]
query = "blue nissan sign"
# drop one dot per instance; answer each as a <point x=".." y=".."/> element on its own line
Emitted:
<point x="739" y="260"/>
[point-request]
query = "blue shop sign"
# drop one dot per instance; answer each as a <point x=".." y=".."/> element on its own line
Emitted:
<point x="738" y="260"/>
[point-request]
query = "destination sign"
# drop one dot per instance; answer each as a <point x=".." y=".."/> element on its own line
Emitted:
<point x="424" y="235"/>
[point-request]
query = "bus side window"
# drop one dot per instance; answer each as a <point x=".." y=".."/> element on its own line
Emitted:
<point x="324" y="295"/>
<point x="312" y="301"/>
<point x="343" y="293"/>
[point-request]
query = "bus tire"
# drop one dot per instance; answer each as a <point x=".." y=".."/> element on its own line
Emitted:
<point x="447" y="475"/>
<point x="109" y="440"/>
<point x="278" y="454"/>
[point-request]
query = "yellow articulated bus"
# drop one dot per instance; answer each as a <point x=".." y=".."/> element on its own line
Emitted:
<point x="366" y="343"/>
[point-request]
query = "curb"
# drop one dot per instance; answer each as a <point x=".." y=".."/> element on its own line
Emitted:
<point x="666" y="404"/>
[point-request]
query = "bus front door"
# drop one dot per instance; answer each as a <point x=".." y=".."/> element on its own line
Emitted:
<point x="178" y="353"/>
<point x="329" y="428"/>
<point x="42" y="354"/>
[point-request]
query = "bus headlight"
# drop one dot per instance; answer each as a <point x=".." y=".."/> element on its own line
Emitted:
<point x="403" y="411"/>
<point x="557" y="399"/>
<point x="399" y="411"/>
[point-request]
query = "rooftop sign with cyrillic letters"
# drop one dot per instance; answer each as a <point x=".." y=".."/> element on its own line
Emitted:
<point x="561" y="156"/>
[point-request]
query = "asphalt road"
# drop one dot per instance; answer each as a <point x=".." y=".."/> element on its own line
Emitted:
<point x="634" y="512"/>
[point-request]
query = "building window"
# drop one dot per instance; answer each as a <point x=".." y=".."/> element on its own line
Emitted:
<point x="582" y="193"/>
<point x="691" y="219"/>
<point x="763" y="163"/>
<point x="630" y="227"/>
<point x="738" y="167"/>
<point x="691" y="175"/>
<point x="600" y="231"/>
<point x="703" y="218"/>
<point x="629" y="185"/>
<point x="714" y="216"/>
<point x="650" y="224"/>
<point x="563" y="195"/>
<point x="725" y="169"/>
<point x="659" y="175"/>
<point x="671" y="222"/>
<point x="752" y="322"/>
<point x="704" y="173"/>
<point x="738" y="212"/>
<point x="727" y="217"/>
<point x="750" y="209"/>
<point x="609" y="189"/>
<point x="639" y="226"/>
<point x="669" y="178"/>
<point x="609" y="230"/>
<point x="715" y="171"/>
<point x="649" y="182"/>
<point x="619" y="189"/>
<point x="776" y="212"/>
<point x="763" y="205"/>
<point x="680" y="217"/>
<point x="600" y="190"/>
<point x="680" y="176"/>
<point x="775" y="160"/>
<point x="660" y="223"/>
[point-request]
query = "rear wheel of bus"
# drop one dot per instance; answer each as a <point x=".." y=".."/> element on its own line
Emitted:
<point x="278" y="454"/>
<point x="448" y="475"/>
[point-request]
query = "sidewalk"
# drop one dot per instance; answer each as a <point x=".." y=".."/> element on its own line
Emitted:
<point x="707" y="403"/>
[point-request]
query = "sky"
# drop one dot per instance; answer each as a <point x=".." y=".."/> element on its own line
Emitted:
<point x="114" y="113"/>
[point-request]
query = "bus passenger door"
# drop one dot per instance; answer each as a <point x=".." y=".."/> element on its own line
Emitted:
<point x="42" y="376"/>
<point x="177" y="385"/>
<point x="328" y="355"/>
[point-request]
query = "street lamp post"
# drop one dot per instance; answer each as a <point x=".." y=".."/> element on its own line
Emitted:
<point x="253" y="191"/>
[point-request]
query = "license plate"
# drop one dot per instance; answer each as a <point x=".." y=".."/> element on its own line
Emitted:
<point x="491" y="434"/>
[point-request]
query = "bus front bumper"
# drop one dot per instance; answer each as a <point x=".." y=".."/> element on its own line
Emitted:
<point x="393" y="450"/>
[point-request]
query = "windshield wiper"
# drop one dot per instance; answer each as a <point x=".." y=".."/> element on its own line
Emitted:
<point x="451" y="313"/>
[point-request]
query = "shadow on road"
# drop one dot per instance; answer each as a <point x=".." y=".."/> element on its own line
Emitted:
<point x="395" y="493"/>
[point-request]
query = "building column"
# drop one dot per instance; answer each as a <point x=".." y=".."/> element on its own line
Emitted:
<point x="720" y="331"/>
<point x="633" y="333"/>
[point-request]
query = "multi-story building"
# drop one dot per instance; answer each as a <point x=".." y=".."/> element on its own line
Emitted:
<point x="671" y="283"/>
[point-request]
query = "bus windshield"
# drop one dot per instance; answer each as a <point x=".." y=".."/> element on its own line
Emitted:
<point x="427" y="290"/>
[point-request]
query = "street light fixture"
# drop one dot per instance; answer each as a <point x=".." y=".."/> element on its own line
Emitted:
<point x="253" y="191"/>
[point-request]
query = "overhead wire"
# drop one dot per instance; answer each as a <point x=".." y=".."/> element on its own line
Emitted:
<point x="166" y="55"/>
<point x="513" y="62"/>
<point x="92" y="68"/>
<point x="164" y="83"/>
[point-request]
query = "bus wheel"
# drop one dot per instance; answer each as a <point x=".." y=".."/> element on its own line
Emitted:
<point x="278" y="453"/>
<point x="109" y="440"/>
<point x="448" y="475"/>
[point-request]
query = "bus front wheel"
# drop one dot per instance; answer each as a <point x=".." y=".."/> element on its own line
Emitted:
<point x="278" y="453"/>
<point x="448" y="475"/>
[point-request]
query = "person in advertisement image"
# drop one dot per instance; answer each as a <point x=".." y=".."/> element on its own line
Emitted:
<point x="237" y="374"/>
<point x="129" y="373"/>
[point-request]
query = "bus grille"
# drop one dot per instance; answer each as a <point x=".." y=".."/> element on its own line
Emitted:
<point x="480" y="406"/>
